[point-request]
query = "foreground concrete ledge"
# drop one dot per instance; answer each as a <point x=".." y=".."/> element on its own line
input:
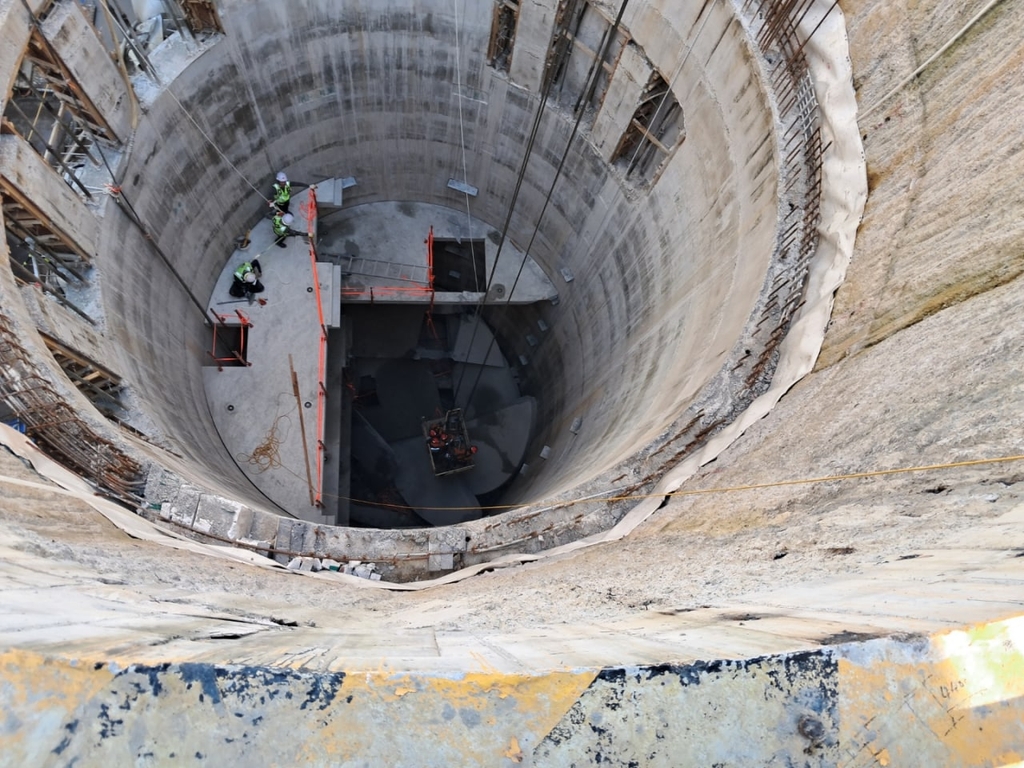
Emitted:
<point x="566" y="521"/>
<point x="959" y="700"/>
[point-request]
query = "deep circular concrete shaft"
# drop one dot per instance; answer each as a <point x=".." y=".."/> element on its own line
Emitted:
<point x="666" y="274"/>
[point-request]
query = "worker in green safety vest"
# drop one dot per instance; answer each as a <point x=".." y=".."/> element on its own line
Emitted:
<point x="246" y="280"/>
<point x="283" y="230"/>
<point x="282" y="192"/>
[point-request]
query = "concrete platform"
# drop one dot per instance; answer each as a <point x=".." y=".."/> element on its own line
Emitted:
<point x="474" y="343"/>
<point x="492" y="388"/>
<point x="439" y="500"/>
<point x="391" y="237"/>
<point x="254" y="407"/>
<point x="501" y="438"/>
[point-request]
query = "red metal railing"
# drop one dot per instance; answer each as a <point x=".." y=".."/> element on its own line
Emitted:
<point x="393" y="291"/>
<point x="309" y="211"/>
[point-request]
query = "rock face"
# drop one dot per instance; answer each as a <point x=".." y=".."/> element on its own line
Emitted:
<point x="944" y="161"/>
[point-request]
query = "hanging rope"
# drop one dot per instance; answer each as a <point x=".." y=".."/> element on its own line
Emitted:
<point x="619" y="494"/>
<point x="588" y="86"/>
<point x="267" y="454"/>
<point x="213" y="144"/>
<point x="561" y="55"/>
<point x="462" y="141"/>
<point x="903" y="83"/>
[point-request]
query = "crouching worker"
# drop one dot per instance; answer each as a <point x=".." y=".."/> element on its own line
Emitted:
<point x="246" y="280"/>
<point x="283" y="228"/>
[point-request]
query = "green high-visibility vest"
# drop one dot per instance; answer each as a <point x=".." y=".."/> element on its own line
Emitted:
<point x="280" y="228"/>
<point x="242" y="271"/>
<point x="282" y="192"/>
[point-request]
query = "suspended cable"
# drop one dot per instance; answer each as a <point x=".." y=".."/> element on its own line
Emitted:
<point x="213" y="144"/>
<point x="462" y="141"/>
<point x="902" y="84"/>
<point x="167" y="89"/>
<point x="621" y="494"/>
<point x="588" y="85"/>
<point x="561" y="52"/>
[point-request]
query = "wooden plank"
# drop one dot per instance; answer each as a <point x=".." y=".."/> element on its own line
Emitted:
<point x="8" y="189"/>
<point x="56" y="346"/>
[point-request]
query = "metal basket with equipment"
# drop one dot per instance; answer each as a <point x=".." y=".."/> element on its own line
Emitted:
<point x="448" y="444"/>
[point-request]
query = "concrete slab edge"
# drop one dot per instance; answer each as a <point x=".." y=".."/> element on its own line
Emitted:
<point x="960" y="702"/>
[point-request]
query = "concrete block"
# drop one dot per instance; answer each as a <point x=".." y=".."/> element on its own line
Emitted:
<point x="444" y="540"/>
<point x="363" y="570"/>
<point x="441" y="562"/>
<point x="216" y="514"/>
<point x="297" y="539"/>
<point x="161" y="485"/>
<point x="264" y="526"/>
<point x="185" y="504"/>
<point x="241" y="523"/>
<point x="530" y="49"/>
<point x="283" y="538"/>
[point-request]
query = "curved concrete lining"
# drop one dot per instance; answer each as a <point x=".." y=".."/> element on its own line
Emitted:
<point x="711" y="238"/>
<point x="547" y="521"/>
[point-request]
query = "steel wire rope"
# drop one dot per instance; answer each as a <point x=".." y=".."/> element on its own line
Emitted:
<point x="609" y="495"/>
<point x="213" y="144"/>
<point x="588" y="85"/>
<point x="562" y="48"/>
<point x="205" y="135"/>
<point x="169" y="92"/>
<point x="462" y="140"/>
<point x="931" y="59"/>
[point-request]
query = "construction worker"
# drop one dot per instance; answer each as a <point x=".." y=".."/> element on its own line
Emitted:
<point x="282" y="192"/>
<point x="283" y="229"/>
<point x="246" y="280"/>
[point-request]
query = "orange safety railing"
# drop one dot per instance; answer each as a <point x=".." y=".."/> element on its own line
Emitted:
<point x="430" y="258"/>
<point x="235" y="356"/>
<point x="309" y="211"/>
<point x="393" y="291"/>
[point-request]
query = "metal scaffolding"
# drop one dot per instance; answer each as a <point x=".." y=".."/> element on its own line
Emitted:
<point x="53" y="423"/>
<point x="52" y="113"/>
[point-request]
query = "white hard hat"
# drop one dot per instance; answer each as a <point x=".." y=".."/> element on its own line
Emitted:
<point x="281" y="177"/>
<point x="287" y="218"/>
<point x="249" y="277"/>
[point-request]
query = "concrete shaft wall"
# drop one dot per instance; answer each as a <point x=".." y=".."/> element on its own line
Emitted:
<point x="370" y="91"/>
